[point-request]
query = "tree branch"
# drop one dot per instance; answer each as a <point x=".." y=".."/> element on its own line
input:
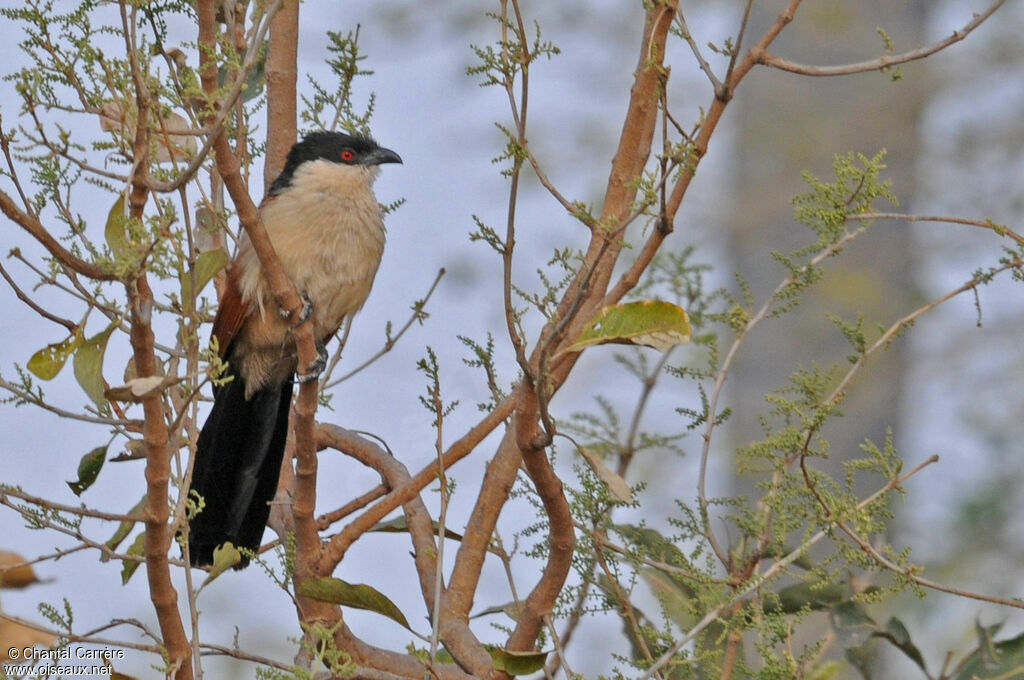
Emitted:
<point x="883" y="62"/>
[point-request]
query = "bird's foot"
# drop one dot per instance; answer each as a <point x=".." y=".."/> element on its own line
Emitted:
<point x="304" y="314"/>
<point x="316" y="368"/>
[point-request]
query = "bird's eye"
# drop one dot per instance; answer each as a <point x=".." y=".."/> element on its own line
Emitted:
<point x="348" y="155"/>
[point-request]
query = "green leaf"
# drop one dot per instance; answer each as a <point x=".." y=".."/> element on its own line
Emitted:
<point x="814" y="596"/>
<point x="851" y="623"/>
<point x="511" y="609"/>
<point x="398" y="525"/>
<point x="46" y="363"/>
<point x="616" y="485"/>
<point x="128" y="567"/>
<point x="517" y="663"/>
<point x="355" y="595"/>
<point x="89" y="469"/>
<point x="653" y="323"/>
<point x="89" y="365"/>
<point x="116" y="230"/>
<point x="123" y="529"/>
<point x="1008" y="663"/>
<point x="896" y="633"/>
<point x="206" y="267"/>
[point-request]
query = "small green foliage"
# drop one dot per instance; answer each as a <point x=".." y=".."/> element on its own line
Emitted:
<point x="431" y="400"/>
<point x="328" y="109"/>
<point x="562" y="269"/>
<point x="894" y="72"/>
<point x="826" y="207"/>
<point x="499" y="64"/>
<point x="62" y="618"/>
<point x="484" y="359"/>
<point x="488" y="235"/>
<point x="319" y="647"/>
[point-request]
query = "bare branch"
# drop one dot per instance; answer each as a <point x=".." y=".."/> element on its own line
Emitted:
<point x="35" y="228"/>
<point x="883" y="62"/>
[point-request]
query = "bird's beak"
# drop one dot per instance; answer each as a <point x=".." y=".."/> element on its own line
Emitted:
<point x="382" y="155"/>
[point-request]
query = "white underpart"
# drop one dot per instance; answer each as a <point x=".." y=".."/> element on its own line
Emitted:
<point x="328" y="232"/>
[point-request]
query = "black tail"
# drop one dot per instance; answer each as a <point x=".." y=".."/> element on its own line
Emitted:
<point x="238" y="460"/>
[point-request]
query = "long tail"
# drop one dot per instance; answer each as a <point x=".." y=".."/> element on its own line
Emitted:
<point x="238" y="461"/>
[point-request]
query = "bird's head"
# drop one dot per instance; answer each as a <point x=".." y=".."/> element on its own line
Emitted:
<point x="357" y="152"/>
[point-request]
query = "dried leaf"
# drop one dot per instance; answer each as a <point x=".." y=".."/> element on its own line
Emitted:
<point x="616" y="485"/>
<point x="17" y="636"/>
<point x="134" y="449"/>
<point x="14" y="573"/>
<point x="137" y="389"/>
<point x="173" y="134"/>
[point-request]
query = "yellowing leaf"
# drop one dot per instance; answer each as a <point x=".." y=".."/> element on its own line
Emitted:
<point x="46" y="363"/>
<point x="88" y="365"/>
<point x="616" y="485"/>
<point x="14" y="573"/>
<point x="89" y="469"/>
<point x="356" y="595"/>
<point x="225" y="556"/>
<point x="653" y="323"/>
<point x="116" y="230"/>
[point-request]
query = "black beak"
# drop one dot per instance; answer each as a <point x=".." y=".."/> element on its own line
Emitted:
<point x="381" y="155"/>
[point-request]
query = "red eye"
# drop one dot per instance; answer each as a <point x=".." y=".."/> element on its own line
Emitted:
<point x="347" y="155"/>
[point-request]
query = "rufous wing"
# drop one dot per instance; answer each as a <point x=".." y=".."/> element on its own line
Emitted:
<point x="231" y="313"/>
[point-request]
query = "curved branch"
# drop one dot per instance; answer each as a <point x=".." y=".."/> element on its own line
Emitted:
<point x="34" y="227"/>
<point x="883" y="62"/>
<point x="455" y="633"/>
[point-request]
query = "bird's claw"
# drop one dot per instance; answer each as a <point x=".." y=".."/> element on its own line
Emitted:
<point x="316" y="368"/>
<point x="305" y="313"/>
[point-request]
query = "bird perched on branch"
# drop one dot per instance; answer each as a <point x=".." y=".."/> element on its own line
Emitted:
<point x="327" y="229"/>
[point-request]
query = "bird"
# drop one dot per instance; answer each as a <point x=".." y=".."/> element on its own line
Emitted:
<point x="327" y="229"/>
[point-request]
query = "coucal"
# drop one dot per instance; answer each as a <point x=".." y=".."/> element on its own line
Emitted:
<point x="327" y="228"/>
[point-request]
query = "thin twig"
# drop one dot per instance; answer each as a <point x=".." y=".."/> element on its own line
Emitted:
<point x="883" y="62"/>
<point x="391" y="341"/>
